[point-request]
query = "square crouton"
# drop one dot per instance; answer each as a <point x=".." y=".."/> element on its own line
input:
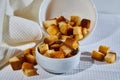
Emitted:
<point x="61" y="19"/>
<point x="85" y="23"/>
<point x="28" y="69"/>
<point x="110" y="57"/>
<point x="30" y="58"/>
<point x="70" y="31"/>
<point x="47" y="54"/>
<point x="51" y="39"/>
<point x="104" y="49"/>
<point x="72" y="43"/>
<point x="97" y="55"/>
<point x="16" y="63"/>
<point x="76" y="20"/>
<point x="63" y="26"/>
<point x="78" y="36"/>
<point x="77" y="30"/>
<point x="43" y="48"/>
<point x="48" y="23"/>
<point x="57" y="54"/>
<point x="30" y="72"/>
<point x="67" y="50"/>
<point x="52" y="30"/>
<point x="55" y="47"/>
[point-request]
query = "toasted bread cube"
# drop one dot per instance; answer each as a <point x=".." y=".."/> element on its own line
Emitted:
<point x="110" y="57"/>
<point x="43" y="48"/>
<point x="61" y="19"/>
<point x="28" y="69"/>
<point x="30" y="58"/>
<point x="72" y="43"/>
<point x="15" y="63"/>
<point x="85" y="32"/>
<point x="48" y="23"/>
<point x="52" y="30"/>
<point x="67" y="50"/>
<point x="57" y="54"/>
<point x="85" y="23"/>
<point x="30" y="72"/>
<point x="27" y="65"/>
<point x="55" y="47"/>
<point x="51" y="39"/>
<point x="70" y="31"/>
<point x="97" y="55"/>
<point x="77" y="30"/>
<point x="76" y="20"/>
<point x="47" y="54"/>
<point x="64" y="37"/>
<point x="104" y="49"/>
<point x="78" y="36"/>
<point x="63" y="27"/>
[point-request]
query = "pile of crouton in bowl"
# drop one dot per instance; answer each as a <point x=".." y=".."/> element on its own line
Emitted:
<point x="59" y="52"/>
<point x="66" y="26"/>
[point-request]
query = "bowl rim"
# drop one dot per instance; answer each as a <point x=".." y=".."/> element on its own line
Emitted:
<point x="58" y="59"/>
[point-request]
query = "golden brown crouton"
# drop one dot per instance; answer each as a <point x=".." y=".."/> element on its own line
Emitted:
<point x="104" y="49"/>
<point x="30" y="72"/>
<point x="52" y="30"/>
<point x="43" y="48"/>
<point x="51" y="39"/>
<point x="76" y="20"/>
<point x="48" y="52"/>
<point x="77" y="30"/>
<point x="27" y="65"/>
<point x="61" y="19"/>
<point x="48" y="23"/>
<point x="110" y="57"/>
<point x="70" y="31"/>
<point x="63" y="27"/>
<point x="57" y="54"/>
<point x="72" y="43"/>
<point x="67" y="50"/>
<point x="28" y="69"/>
<point x="85" y="23"/>
<point x="55" y="47"/>
<point x="97" y="55"/>
<point x="78" y="36"/>
<point x="30" y="58"/>
<point x="16" y="63"/>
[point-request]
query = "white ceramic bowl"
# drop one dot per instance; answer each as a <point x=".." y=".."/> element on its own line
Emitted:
<point x="54" y="8"/>
<point x="57" y="65"/>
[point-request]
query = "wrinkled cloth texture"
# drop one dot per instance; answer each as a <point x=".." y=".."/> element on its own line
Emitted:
<point x="16" y="29"/>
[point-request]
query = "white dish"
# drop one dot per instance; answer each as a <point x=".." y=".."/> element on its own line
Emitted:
<point x="55" y="8"/>
<point x="55" y="65"/>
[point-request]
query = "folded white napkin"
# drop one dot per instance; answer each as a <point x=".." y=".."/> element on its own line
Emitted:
<point x="18" y="30"/>
<point x="21" y="30"/>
